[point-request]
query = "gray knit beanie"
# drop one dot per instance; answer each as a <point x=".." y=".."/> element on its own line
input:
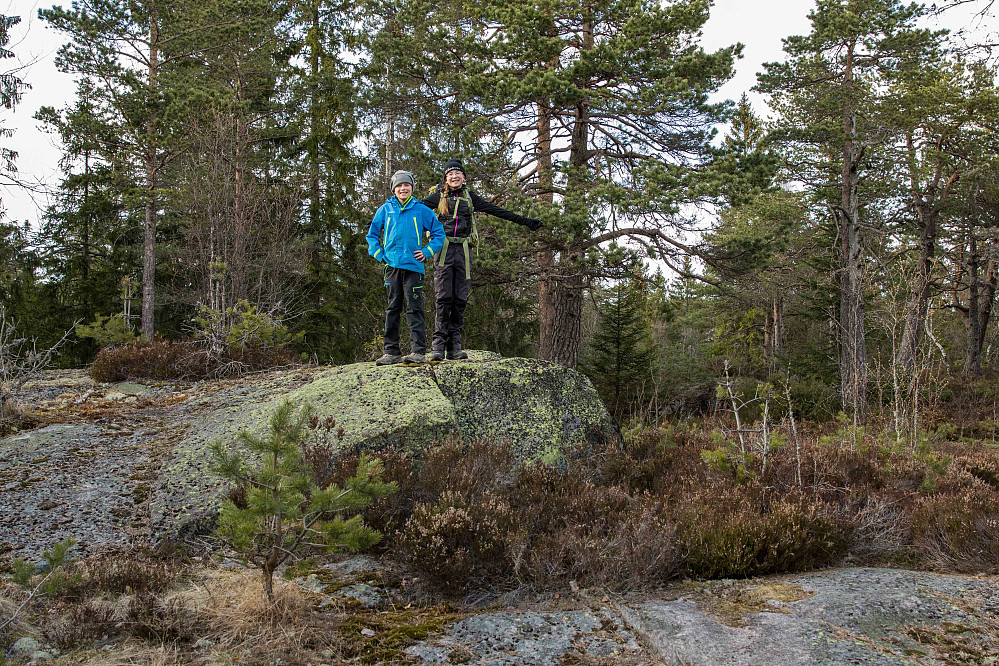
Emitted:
<point x="400" y="177"/>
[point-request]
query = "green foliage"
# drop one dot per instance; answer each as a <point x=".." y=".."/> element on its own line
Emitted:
<point x="54" y="577"/>
<point x="107" y="331"/>
<point x="22" y="571"/>
<point x="285" y="511"/>
<point x="621" y="358"/>
<point x="242" y="326"/>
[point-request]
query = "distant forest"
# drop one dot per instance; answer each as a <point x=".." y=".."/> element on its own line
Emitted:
<point x="222" y="160"/>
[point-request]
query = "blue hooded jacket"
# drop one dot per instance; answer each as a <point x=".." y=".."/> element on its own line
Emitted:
<point x="397" y="231"/>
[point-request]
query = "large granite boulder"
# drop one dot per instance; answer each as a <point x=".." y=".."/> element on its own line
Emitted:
<point x="543" y="410"/>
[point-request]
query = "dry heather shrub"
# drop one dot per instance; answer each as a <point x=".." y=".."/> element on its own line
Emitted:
<point x="181" y="359"/>
<point x="154" y="359"/>
<point x="880" y="525"/>
<point x="655" y="460"/>
<point x="959" y="530"/>
<point x="81" y="624"/>
<point x="466" y="469"/>
<point x="458" y="539"/>
<point x="982" y="464"/>
<point x="727" y="534"/>
<point x="624" y="552"/>
<point x="127" y="573"/>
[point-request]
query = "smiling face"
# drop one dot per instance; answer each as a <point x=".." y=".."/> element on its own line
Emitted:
<point x="402" y="191"/>
<point x="454" y="179"/>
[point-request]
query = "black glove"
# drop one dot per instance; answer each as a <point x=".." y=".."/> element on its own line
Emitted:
<point x="533" y="224"/>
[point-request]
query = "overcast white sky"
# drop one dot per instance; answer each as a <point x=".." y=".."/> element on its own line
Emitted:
<point x="759" y="24"/>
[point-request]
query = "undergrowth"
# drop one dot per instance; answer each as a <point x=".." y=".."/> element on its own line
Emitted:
<point x="183" y="359"/>
<point x="640" y="515"/>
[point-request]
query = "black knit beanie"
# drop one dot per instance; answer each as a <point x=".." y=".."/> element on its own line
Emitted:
<point x="452" y="164"/>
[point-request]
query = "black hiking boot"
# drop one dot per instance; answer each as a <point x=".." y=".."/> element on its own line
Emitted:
<point x="436" y="356"/>
<point x="457" y="354"/>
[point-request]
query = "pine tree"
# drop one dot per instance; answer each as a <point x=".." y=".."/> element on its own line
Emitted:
<point x="830" y="98"/>
<point x="285" y="510"/>
<point x="608" y="102"/>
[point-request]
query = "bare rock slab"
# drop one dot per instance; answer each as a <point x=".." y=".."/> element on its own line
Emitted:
<point x="533" y="639"/>
<point x="853" y="616"/>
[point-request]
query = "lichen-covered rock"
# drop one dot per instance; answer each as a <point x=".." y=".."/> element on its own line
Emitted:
<point x="540" y="408"/>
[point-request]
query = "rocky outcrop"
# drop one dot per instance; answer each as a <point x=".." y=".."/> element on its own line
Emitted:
<point x="851" y="616"/>
<point x="541" y="409"/>
<point x="129" y="462"/>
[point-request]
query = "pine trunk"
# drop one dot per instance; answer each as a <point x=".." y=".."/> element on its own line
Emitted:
<point x="561" y="302"/>
<point x="981" y="296"/>
<point x="149" y="222"/>
<point x="853" y="348"/>
<point x="915" y="316"/>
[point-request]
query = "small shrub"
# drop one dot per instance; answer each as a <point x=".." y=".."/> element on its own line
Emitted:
<point x="82" y="623"/>
<point x="182" y="359"/>
<point x="725" y="535"/>
<point x="466" y="469"/>
<point x="148" y="359"/>
<point x="880" y="526"/>
<point x="959" y="530"/>
<point x="128" y="573"/>
<point x="631" y="550"/>
<point x="459" y="539"/>
<point x="242" y="326"/>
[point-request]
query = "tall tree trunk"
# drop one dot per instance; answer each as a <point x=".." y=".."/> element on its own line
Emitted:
<point x="915" y="316"/>
<point x="853" y="347"/>
<point x="773" y="334"/>
<point x="314" y="121"/>
<point x="561" y="303"/>
<point x="149" y="223"/>
<point x="87" y="223"/>
<point x="981" y="297"/>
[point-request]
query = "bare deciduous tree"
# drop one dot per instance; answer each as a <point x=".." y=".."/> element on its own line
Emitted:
<point x="20" y="361"/>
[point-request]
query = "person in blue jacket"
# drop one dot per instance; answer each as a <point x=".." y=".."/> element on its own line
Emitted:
<point x="396" y="238"/>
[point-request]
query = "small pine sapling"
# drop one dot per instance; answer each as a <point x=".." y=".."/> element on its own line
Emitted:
<point x="286" y="511"/>
<point x="54" y="577"/>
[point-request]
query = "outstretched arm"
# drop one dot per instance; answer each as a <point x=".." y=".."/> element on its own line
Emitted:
<point x="483" y="206"/>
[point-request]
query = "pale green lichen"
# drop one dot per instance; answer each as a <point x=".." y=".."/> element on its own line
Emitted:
<point x="542" y="409"/>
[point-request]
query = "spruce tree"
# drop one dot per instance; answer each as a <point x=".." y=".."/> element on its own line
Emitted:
<point x="620" y="352"/>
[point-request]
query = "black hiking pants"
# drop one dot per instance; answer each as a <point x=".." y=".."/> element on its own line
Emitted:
<point x="404" y="284"/>
<point x="452" y="297"/>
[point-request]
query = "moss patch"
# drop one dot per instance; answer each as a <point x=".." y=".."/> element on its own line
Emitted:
<point x="733" y="603"/>
<point x="377" y="638"/>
